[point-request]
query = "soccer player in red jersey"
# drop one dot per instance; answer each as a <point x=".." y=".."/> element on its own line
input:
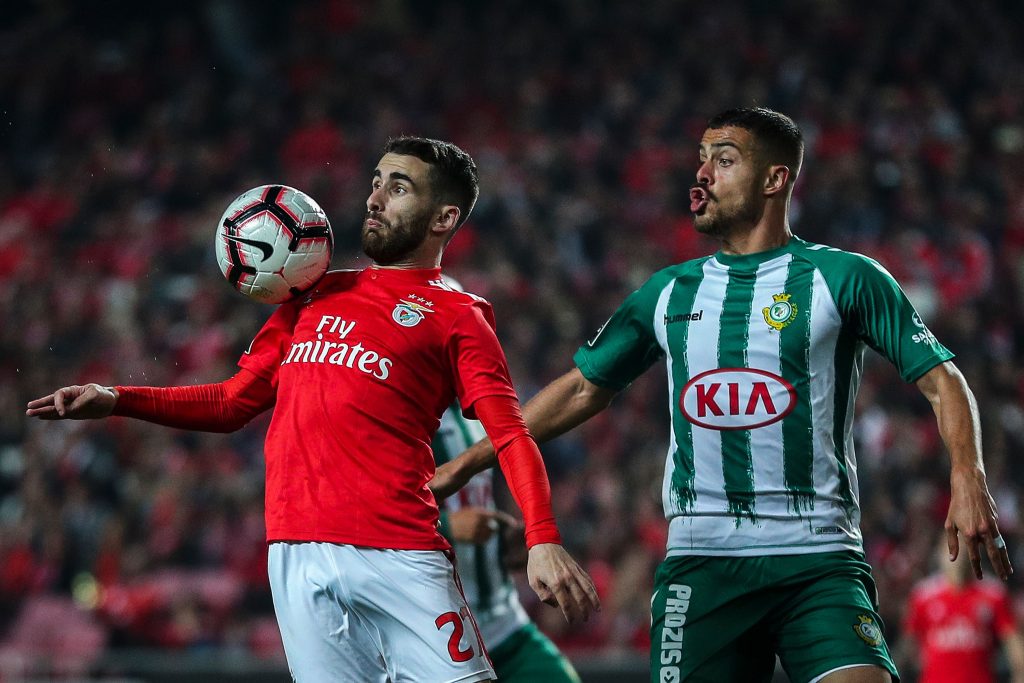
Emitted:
<point x="359" y="371"/>
<point x="957" y="624"/>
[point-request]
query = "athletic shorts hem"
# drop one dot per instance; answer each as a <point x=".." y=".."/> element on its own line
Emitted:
<point x="483" y="675"/>
<point x="838" y="665"/>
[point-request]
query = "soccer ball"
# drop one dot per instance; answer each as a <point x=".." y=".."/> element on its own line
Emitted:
<point x="274" y="243"/>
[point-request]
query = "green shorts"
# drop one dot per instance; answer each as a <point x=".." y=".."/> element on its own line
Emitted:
<point x="527" y="656"/>
<point x="720" y="619"/>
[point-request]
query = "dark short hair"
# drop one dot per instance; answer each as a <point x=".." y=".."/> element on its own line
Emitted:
<point x="453" y="176"/>
<point x="778" y="137"/>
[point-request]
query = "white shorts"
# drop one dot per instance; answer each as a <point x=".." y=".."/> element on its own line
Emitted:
<point x="370" y="615"/>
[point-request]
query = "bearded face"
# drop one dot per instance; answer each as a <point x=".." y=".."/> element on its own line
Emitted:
<point x="724" y="213"/>
<point x="728" y="192"/>
<point x="388" y="241"/>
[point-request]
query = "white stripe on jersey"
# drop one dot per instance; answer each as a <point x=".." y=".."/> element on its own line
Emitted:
<point x="822" y="369"/>
<point x="702" y="354"/>
<point x="763" y="352"/>
<point x="661" y="332"/>
<point x="856" y="373"/>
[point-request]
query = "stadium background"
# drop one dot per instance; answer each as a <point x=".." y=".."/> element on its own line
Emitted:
<point x="135" y="552"/>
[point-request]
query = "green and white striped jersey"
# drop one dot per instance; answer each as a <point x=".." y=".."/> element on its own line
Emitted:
<point x="490" y="591"/>
<point x="764" y="355"/>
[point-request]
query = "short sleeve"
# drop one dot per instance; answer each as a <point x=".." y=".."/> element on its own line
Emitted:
<point x="885" y="320"/>
<point x="477" y="359"/>
<point x="268" y="348"/>
<point x="625" y="346"/>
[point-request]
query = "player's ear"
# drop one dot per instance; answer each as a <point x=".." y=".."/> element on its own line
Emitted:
<point x="776" y="179"/>
<point x="446" y="219"/>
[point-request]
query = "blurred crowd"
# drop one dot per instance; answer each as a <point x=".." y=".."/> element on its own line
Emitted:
<point x="124" y="134"/>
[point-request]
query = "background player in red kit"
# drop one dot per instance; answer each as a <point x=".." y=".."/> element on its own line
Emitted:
<point x="359" y="371"/>
<point x="956" y="624"/>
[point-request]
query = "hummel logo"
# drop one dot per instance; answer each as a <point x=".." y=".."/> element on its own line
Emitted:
<point x="681" y="317"/>
<point x="266" y="247"/>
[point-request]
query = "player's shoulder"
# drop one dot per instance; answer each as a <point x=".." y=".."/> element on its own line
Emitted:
<point x="841" y="267"/>
<point x="454" y="300"/>
<point x="693" y="267"/>
<point x="332" y="282"/>
<point x="828" y="257"/>
<point x="337" y="279"/>
<point x="651" y="289"/>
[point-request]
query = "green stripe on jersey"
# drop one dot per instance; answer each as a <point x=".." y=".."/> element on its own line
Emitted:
<point x="681" y="299"/>
<point x="797" y="427"/>
<point x="847" y="359"/>
<point x="737" y="460"/>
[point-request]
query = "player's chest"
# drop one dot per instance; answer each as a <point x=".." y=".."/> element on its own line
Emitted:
<point x="354" y="327"/>
<point x="736" y="317"/>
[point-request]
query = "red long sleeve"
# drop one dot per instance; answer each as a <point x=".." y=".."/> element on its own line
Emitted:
<point x="222" y="407"/>
<point x="522" y="465"/>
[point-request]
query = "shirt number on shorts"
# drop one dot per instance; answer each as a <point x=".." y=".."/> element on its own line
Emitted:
<point x="456" y="620"/>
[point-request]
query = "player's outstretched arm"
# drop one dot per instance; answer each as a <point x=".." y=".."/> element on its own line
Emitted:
<point x="972" y="511"/>
<point x="222" y="407"/>
<point x="567" y="402"/>
<point x="77" y="402"/>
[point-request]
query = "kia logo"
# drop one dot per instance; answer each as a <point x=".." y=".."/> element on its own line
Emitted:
<point x="728" y="399"/>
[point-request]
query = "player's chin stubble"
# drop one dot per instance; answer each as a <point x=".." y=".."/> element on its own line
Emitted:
<point x="392" y="242"/>
<point x="726" y="220"/>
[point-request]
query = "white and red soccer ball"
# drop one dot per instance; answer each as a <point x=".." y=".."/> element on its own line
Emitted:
<point x="273" y="243"/>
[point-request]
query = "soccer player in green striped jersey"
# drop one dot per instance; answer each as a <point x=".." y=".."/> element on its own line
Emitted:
<point x="763" y="344"/>
<point x="519" y="652"/>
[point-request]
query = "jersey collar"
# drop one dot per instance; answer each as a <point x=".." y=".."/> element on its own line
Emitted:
<point x="403" y="274"/>
<point x="752" y="261"/>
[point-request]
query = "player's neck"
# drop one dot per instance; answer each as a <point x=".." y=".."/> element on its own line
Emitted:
<point x="421" y="258"/>
<point x="407" y="265"/>
<point x="764" y="236"/>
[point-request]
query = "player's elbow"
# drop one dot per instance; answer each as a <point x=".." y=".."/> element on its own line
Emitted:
<point x="234" y="420"/>
<point x="589" y="397"/>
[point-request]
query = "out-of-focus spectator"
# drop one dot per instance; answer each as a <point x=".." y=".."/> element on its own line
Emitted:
<point x="960" y="623"/>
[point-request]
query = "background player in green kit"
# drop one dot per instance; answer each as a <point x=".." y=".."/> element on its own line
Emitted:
<point x="470" y="520"/>
<point x="763" y="345"/>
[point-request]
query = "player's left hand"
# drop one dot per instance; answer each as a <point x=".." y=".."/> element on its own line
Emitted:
<point x="972" y="513"/>
<point x="560" y="582"/>
<point x="477" y="525"/>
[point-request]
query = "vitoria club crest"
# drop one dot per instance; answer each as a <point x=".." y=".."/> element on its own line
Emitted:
<point x="868" y="630"/>
<point x="781" y="312"/>
<point x="409" y="313"/>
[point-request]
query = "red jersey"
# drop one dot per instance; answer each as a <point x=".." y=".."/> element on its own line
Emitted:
<point x="958" y="629"/>
<point x="364" y="366"/>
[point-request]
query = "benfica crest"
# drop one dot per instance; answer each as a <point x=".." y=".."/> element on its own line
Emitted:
<point x="409" y="313"/>
<point x="781" y="312"/>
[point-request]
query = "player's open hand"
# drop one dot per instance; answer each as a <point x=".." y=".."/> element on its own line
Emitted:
<point x="78" y="402"/>
<point x="477" y="525"/>
<point x="972" y="513"/>
<point x="560" y="582"/>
